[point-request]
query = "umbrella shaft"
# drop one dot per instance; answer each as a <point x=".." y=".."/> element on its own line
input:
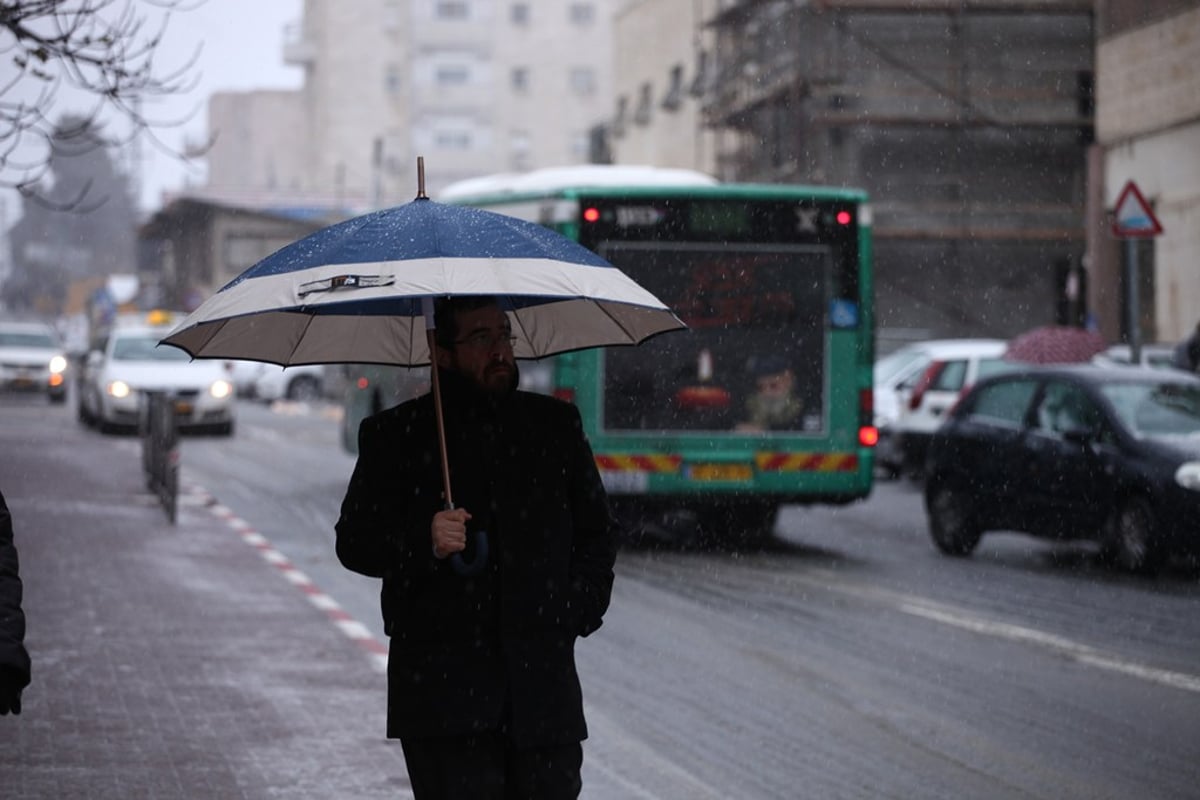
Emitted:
<point x="441" y="423"/>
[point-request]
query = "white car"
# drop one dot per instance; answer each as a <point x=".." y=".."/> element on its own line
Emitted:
<point x="916" y="385"/>
<point x="32" y="359"/>
<point x="128" y="362"/>
<point x="262" y="381"/>
<point x="1159" y="356"/>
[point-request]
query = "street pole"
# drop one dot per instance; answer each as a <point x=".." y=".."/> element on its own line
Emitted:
<point x="1133" y="302"/>
<point x="1133" y="219"/>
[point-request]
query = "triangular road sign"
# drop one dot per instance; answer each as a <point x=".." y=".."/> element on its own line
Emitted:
<point x="1132" y="216"/>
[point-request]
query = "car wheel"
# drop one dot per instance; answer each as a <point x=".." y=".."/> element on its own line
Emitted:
<point x="952" y="521"/>
<point x="304" y="389"/>
<point x="1128" y="539"/>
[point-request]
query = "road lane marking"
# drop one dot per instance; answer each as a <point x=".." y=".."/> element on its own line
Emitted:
<point x="377" y="651"/>
<point x="946" y="615"/>
<point x="1072" y="649"/>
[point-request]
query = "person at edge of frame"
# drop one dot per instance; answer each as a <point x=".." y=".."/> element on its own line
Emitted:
<point x="14" y="658"/>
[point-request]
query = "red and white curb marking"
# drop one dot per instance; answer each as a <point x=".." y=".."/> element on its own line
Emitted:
<point x="355" y="630"/>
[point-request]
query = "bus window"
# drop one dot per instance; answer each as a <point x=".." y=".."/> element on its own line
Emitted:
<point x="746" y="306"/>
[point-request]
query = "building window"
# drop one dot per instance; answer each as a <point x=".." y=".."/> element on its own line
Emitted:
<point x="451" y="75"/>
<point x="581" y="145"/>
<point x="703" y="74"/>
<point x="520" y="145"/>
<point x="519" y="14"/>
<point x="519" y="79"/>
<point x="451" y="9"/>
<point x="582" y="80"/>
<point x="391" y="80"/>
<point x="641" y="114"/>
<point x="450" y="139"/>
<point x="674" y="96"/>
<point x="520" y="142"/>
<point x="391" y="15"/>
<point x="581" y="13"/>
<point x="619" y="119"/>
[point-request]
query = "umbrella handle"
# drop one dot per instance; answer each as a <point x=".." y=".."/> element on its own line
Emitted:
<point x="469" y="569"/>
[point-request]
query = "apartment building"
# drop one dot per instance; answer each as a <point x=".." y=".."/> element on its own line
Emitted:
<point x="473" y="86"/>
<point x="664" y="69"/>
<point x="968" y="123"/>
<point x="1148" y="132"/>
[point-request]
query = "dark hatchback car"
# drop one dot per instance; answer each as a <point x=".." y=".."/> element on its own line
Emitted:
<point x="1107" y="454"/>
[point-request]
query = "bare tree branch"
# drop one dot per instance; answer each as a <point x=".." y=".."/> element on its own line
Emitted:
<point x="105" y="49"/>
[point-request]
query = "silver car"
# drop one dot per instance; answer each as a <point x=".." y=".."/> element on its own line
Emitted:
<point x="128" y="362"/>
<point x="32" y="359"/>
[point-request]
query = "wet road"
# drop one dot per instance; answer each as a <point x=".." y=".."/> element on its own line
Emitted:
<point x="850" y="660"/>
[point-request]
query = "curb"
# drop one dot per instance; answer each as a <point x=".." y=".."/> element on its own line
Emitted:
<point x="376" y="651"/>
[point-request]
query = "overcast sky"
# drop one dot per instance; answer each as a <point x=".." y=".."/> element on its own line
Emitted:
<point x="241" y="48"/>
<point x="242" y="43"/>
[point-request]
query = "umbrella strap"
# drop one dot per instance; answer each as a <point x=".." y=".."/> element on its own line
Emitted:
<point x="344" y="282"/>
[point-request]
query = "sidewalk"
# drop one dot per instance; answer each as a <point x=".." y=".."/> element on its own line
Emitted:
<point x="170" y="662"/>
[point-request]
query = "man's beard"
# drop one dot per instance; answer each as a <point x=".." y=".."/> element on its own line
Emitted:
<point x="494" y="386"/>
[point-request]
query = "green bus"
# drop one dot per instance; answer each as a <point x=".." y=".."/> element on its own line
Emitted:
<point x="766" y="398"/>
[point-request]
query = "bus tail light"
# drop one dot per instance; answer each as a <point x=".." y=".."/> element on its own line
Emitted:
<point x="565" y="394"/>
<point x="868" y="434"/>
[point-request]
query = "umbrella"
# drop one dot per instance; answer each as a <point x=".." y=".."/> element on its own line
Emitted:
<point x="1055" y="344"/>
<point x="362" y="291"/>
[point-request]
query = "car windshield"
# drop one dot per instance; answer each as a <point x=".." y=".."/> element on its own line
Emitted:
<point x="894" y="364"/>
<point x="1157" y="409"/>
<point x="145" y="348"/>
<point x="27" y="339"/>
<point x="993" y="366"/>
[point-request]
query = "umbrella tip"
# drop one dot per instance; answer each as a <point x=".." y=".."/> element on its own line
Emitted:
<point x="421" y="178"/>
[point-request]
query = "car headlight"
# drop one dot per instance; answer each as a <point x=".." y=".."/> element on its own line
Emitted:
<point x="1188" y="475"/>
<point x="221" y="389"/>
<point x="58" y="364"/>
<point x="118" y="389"/>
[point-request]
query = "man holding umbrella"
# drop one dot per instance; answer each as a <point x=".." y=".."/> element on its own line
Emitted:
<point x="483" y="602"/>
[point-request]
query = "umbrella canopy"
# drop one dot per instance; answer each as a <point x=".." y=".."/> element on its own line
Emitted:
<point x="1055" y="344"/>
<point x="362" y="291"/>
<point x="352" y="292"/>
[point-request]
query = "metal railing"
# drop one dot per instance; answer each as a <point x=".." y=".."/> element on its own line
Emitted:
<point x="160" y="449"/>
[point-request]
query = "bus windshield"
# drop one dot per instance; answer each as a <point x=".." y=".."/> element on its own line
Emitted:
<point x="753" y="357"/>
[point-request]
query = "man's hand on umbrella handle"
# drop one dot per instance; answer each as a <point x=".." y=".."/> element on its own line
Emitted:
<point x="449" y="531"/>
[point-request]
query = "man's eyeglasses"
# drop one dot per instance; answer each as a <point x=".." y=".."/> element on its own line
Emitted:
<point x="484" y="340"/>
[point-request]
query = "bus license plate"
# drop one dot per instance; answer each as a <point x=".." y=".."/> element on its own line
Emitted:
<point x="720" y="472"/>
<point x="625" y="481"/>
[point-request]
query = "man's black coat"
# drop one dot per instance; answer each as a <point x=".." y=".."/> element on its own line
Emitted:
<point x="495" y="651"/>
